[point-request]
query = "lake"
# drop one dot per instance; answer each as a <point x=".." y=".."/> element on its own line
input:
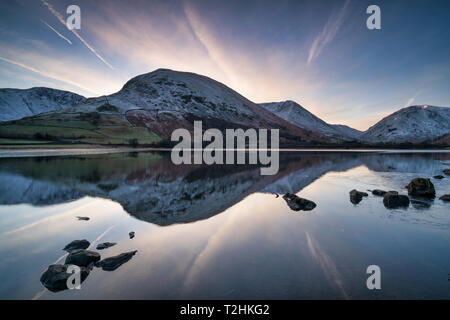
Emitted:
<point x="222" y="232"/>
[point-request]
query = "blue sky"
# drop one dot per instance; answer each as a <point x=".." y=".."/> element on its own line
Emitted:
<point x="317" y="53"/>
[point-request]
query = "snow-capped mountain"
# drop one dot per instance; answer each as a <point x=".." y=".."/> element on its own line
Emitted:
<point x="19" y="103"/>
<point x="164" y="100"/>
<point x="299" y="116"/>
<point x="412" y="124"/>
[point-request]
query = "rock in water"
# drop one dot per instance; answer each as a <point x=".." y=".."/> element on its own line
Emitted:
<point x="446" y="171"/>
<point x="111" y="264"/>
<point x="439" y="177"/>
<point x="83" y="218"/>
<point x="378" y="192"/>
<point x="131" y="234"/>
<point x="297" y="203"/>
<point x="82" y="257"/>
<point x="356" y="196"/>
<point x="55" y="277"/>
<point x="393" y="200"/>
<point x="105" y="245"/>
<point x="420" y="204"/>
<point x="445" y="197"/>
<point x="77" y="244"/>
<point x="421" y="187"/>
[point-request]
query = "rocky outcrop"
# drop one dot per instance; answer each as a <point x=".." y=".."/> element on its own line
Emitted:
<point x="56" y="276"/>
<point x="112" y="263"/>
<point x="421" y="187"/>
<point x="105" y="245"/>
<point x="296" y="203"/>
<point x="394" y="200"/>
<point x="77" y="244"/>
<point x="356" y="196"/>
<point x="82" y="257"/>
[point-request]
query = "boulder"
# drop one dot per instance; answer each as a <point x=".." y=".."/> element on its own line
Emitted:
<point x="356" y="196"/>
<point x="445" y="197"/>
<point x="421" y="187"/>
<point x="393" y="200"/>
<point x="378" y="192"/>
<point x="56" y="276"/>
<point x="105" y="245"/>
<point x="131" y="234"/>
<point x="296" y="203"/>
<point x="82" y="257"/>
<point x="112" y="263"/>
<point x="77" y="244"/>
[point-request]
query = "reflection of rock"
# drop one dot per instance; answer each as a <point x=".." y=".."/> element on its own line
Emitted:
<point x="77" y="244"/>
<point x="421" y="187"/>
<point x="439" y="177"/>
<point x="297" y="203"/>
<point x="112" y="263"/>
<point x="105" y="245"/>
<point x="420" y="204"/>
<point x="56" y="276"/>
<point x="83" y="218"/>
<point x="82" y="257"/>
<point x="378" y="192"/>
<point x="445" y="197"/>
<point x="356" y="196"/>
<point x="393" y="200"/>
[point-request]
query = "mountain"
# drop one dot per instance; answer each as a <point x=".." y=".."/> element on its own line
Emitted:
<point x="299" y="116"/>
<point x="413" y="124"/>
<point x="153" y="105"/>
<point x="19" y="103"/>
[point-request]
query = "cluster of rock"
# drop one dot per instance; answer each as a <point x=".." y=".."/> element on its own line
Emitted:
<point x="296" y="203"/>
<point x="56" y="276"/>
<point x="418" y="187"/>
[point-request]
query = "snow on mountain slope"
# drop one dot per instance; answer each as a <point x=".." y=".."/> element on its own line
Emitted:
<point x="412" y="124"/>
<point x="299" y="116"/>
<point x="19" y="103"/>
<point x="164" y="100"/>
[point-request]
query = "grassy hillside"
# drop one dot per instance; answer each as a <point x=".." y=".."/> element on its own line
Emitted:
<point x="85" y="128"/>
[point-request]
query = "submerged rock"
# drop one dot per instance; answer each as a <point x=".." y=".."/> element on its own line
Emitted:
<point x="421" y="187"/>
<point x="393" y="200"/>
<point x="131" y="234"/>
<point x="83" y="218"/>
<point x="56" y="276"/>
<point x="445" y="197"/>
<point x="82" y="257"/>
<point x="77" y="244"/>
<point x="378" y="192"/>
<point x="112" y="263"/>
<point x="420" y="204"/>
<point x="439" y="177"/>
<point x="356" y="196"/>
<point x="446" y="171"/>
<point x="296" y="203"/>
<point x="105" y="245"/>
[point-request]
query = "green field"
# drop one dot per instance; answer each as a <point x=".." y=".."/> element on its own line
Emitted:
<point x="76" y="128"/>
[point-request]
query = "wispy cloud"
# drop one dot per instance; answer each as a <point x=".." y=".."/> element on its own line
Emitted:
<point x="61" y="19"/>
<point x="46" y="74"/>
<point x="328" y="32"/>
<point x="412" y="99"/>
<point x="55" y="31"/>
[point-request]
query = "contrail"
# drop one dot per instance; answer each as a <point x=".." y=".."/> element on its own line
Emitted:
<point x="46" y="74"/>
<point x="61" y="19"/>
<point x="54" y="30"/>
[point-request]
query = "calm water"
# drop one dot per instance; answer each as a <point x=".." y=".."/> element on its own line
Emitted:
<point x="220" y="232"/>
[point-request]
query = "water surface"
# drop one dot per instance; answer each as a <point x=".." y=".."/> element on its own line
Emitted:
<point x="220" y="232"/>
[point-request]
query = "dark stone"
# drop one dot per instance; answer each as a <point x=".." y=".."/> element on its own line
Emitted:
<point x="131" y="234"/>
<point x="105" y="245"/>
<point x="420" y="204"/>
<point x="297" y="203"/>
<point x="393" y="200"/>
<point x="445" y="197"/>
<point x="378" y="192"/>
<point x="56" y="276"/>
<point x="77" y="244"/>
<point x="446" y="171"/>
<point x="83" y="218"/>
<point x="82" y="257"/>
<point x="111" y="264"/>
<point x="439" y="177"/>
<point x="421" y="187"/>
<point x="356" y="196"/>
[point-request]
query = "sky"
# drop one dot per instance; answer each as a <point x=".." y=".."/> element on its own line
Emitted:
<point x="318" y="53"/>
